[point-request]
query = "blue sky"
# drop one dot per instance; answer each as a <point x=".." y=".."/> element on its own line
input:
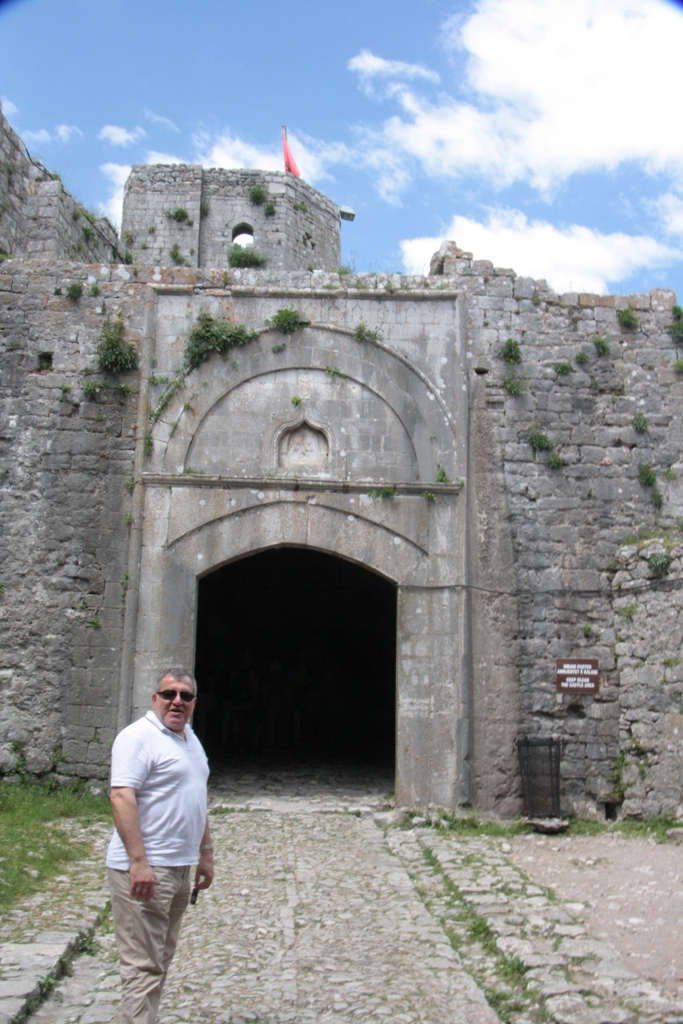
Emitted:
<point x="543" y="135"/>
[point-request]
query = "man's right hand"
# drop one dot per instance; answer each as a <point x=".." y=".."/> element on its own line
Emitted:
<point x="141" y="882"/>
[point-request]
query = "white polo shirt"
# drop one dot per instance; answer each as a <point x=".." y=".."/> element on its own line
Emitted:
<point x="168" y="774"/>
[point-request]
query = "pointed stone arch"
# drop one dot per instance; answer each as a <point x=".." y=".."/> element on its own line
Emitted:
<point x="428" y="679"/>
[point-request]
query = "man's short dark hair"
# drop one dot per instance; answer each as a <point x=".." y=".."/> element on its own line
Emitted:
<point x="178" y="673"/>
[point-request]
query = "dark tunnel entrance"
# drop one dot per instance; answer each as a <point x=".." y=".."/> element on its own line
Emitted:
<point x="296" y="658"/>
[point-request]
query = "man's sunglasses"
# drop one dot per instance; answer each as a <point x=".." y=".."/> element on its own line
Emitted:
<point x="172" y="694"/>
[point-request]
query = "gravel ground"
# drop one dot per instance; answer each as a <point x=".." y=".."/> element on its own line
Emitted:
<point x="627" y="891"/>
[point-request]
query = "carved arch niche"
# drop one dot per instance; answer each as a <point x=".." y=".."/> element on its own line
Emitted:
<point x="304" y="449"/>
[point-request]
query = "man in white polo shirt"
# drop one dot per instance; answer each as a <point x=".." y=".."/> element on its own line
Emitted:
<point x="158" y="794"/>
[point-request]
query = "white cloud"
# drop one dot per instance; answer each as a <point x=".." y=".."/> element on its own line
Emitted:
<point x="369" y="68"/>
<point x="65" y="132"/>
<point x="165" y="122"/>
<point x="553" y="89"/>
<point x="121" y="136"/>
<point x="117" y="175"/>
<point x="8" y="108"/>
<point x="226" y="150"/>
<point x="37" y="138"/>
<point x="571" y="258"/>
<point x="154" y="157"/>
<point x="312" y="156"/>
<point x="669" y="208"/>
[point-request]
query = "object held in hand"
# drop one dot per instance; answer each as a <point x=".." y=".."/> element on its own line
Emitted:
<point x="193" y="895"/>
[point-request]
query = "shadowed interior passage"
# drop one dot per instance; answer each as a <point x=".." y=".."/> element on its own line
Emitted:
<point x="296" y="655"/>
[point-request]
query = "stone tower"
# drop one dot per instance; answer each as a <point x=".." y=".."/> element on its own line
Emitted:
<point x="191" y="216"/>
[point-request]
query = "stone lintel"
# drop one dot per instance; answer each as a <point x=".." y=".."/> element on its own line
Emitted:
<point x="298" y="484"/>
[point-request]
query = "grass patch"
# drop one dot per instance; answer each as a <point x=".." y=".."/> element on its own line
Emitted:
<point x="659" y="564"/>
<point x="286" y="321"/>
<point x="114" y="355"/>
<point x="92" y="388"/>
<point x="627" y="319"/>
<point x="649" y="828"/>
<point x="30" y="852"/>
<point x="512" y="384"/>
<point x="511" y="352"/>
<point x="363" y="333"/>
<point x="176" y="255"/>
<point x="245" y="256"/>
<point x="211" y="336"/>
<point x="472" y="825"/>
<point x="668" y="537"/>
<point x="257" y="195"/>
<point x="508" y="970"/>
<point x="179" y="215"/>
<point x="539" y="442"/>
<point x="333" y="372"/>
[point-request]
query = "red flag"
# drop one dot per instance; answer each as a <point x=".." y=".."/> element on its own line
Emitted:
<point x="290" y="162"/>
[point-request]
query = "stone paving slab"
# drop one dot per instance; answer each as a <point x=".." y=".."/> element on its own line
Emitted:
<point x="41" y="935"/>
<point x="562" y="970"/>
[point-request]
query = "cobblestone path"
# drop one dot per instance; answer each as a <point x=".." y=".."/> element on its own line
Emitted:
<point x="321" y="913"/>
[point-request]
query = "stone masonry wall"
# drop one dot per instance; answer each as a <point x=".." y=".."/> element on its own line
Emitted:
<point x="38" y="217"/>
<point x="296" y="228"/>
<point x="15" y="171"/>
<point x="64" y="462"/>
<point x="646" y="597"/>
<point x="567" y="522"/>
<point x="549" y="572"/>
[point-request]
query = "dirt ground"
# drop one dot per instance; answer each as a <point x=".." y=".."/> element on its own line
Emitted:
<point x="628" y="892"/>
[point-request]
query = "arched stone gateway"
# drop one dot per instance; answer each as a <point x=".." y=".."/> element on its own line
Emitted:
<point x="328" y="445"/>
<point x="428" y="686"/>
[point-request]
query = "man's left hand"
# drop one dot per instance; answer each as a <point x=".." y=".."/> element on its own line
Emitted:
<point x="203" y="876"/>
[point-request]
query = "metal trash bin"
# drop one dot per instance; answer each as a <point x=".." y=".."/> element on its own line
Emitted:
<point x="539" y="762"/>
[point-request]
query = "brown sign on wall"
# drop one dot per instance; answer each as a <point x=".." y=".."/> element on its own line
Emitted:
<point x="577" y="675"/>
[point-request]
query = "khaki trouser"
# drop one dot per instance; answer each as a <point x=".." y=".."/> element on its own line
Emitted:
<point x="146" y="937"/>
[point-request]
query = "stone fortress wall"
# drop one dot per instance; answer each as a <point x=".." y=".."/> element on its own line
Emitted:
<point x="39" y="218"/>
<point x="578" y="589"/>
<point x="537" y="560"/>
<point x="189" y="215"/>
